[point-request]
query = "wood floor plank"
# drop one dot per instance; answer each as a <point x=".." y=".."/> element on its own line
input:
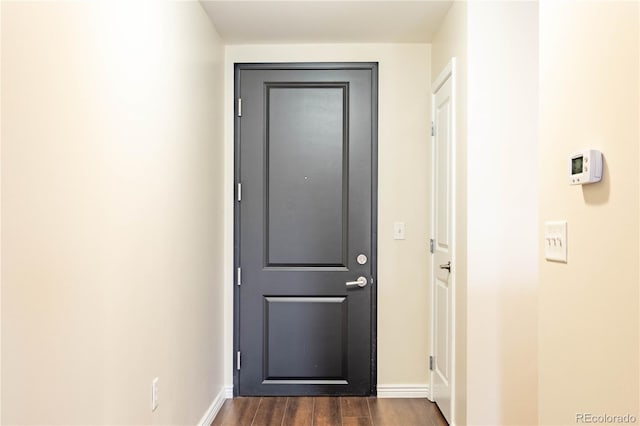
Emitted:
<point x="299" y="412"/>
<point x="437" y="417"/>
<point x="354" y="406"/>
<point x="383" y="412"/>
<point x="237" y="412"/>
<point x="356" y="421"/>
<point x="270" y="412"/>
<point x="403" y="412"/>
<point x="326" y="411"/>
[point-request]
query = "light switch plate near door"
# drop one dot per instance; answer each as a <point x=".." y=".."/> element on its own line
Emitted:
<point x="398" y="231"/>
<point x="555" y="241"/>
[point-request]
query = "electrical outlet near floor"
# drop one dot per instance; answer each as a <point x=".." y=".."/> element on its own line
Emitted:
<point x="154" y="394"/>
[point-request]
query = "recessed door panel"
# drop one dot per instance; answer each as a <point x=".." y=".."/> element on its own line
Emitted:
<point x="306" y="169"/>
<point x="442" y="183"/>
<point x="311" y="348"/>
<point x="442" y="319"/>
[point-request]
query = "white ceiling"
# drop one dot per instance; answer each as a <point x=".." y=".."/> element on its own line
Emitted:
<point x="326" y="21"/>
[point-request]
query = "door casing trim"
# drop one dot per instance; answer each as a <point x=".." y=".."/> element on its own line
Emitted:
<point x="373" y="66"/>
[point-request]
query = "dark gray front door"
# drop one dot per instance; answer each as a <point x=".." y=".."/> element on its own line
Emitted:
<point x="305" y="160"/>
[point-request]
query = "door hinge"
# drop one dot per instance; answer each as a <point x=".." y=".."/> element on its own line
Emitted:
<point x="239" y="107"/>
<point x="430" y="362"/>
<point x="431" y="245"/>
<point x="433" y="128"/>
<point x="239" y="276"/>
<point x="238" y="360"/>
<point x="239" y="191"/>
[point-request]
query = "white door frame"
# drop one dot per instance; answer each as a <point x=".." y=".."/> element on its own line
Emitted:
<point x="449" y="72"/>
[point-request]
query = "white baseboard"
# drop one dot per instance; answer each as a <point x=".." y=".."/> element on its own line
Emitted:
<point x="213" y="409"/>
<point x="403" y="391"/>
<point x="228" y="392"/>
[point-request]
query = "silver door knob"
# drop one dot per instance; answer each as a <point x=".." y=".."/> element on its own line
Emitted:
<point x="360" y="282"/>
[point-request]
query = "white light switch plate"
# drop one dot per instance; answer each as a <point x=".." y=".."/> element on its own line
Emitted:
<point x="398" y="231"/>
<point x="555" y="241"/>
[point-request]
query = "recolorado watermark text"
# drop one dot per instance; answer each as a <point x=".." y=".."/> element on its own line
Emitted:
<point x="590" y="418"/>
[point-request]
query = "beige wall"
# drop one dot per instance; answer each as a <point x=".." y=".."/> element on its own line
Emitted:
<point x="589" y="307"/>
<point x="451" y="41"/>
<point x="111" y="211"/>
<point x="404" y="115"/>
<point x="502" y="197"/>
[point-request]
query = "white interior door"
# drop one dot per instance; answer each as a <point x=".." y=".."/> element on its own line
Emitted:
<point x="443" y="155"/>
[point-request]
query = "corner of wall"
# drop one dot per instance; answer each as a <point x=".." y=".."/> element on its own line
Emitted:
<point x="450" y="41"/>
<point x="503" y="213"/>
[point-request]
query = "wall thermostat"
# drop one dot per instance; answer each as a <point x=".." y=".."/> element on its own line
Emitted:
<point x="585" y="167"/>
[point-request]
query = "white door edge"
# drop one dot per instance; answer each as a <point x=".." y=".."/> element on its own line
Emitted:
<point x="449" y="72"/>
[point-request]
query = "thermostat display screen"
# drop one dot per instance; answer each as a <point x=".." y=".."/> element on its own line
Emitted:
<point x="576" y="165"/>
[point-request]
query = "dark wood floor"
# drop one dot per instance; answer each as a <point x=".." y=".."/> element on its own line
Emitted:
<point x="328" y="411"/>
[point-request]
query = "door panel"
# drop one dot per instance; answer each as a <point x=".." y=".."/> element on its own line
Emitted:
<point x="443" y="248"/>
<point x="442" y="339"/>
<point x="307" y="212"/>
<point x="313" y="346"/>
<point x="305" y="147"/>
<point x="443" y="178"/>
